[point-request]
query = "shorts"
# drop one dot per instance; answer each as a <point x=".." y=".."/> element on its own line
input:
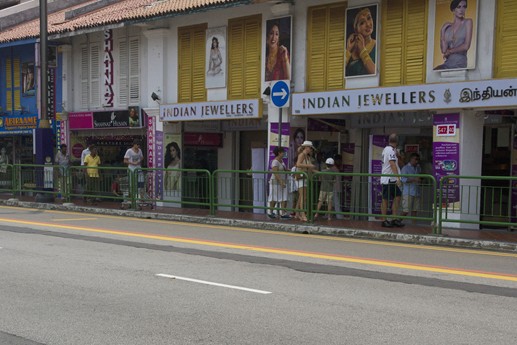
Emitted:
<point x="326" y="197"/>
<point x="301" y="183"/>
<point x="277" y="193"/>
<point x="410" y="203"/>
<point x="390" y="191"/>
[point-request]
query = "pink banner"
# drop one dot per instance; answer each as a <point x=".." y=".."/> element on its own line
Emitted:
<point x="80" y="120"/>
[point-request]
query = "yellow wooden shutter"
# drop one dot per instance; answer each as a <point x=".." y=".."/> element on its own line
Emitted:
<point x="416" y="42"/>
<point x="316" y="48"/>
<point x="506" y="38"/>
<point x="235" y="59"/>
<point x="191" y="70"/>
<point x="326" y="47"/>
<point x="17" y="83"/>
<point x="392" y="40"/>
<point x="244" y="59"/>
<point x="9" y="85"/>
<point x="404" y="38"/>
<point x="252" y="48"/>
<point x="198" y="64"/>
<point x="335" y="75"/>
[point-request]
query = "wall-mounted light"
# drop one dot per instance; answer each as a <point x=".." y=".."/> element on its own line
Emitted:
<point x="155" y="98"/>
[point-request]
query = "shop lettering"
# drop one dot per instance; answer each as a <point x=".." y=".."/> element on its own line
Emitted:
<point x="384" y="99"/>
<point x="114" y="123"/>
<point x="468" y="95"/>
<point x="108" y="68"/>
<point x="21" y="122"/>
<point x="326" y="102"/>
<point x="230" y="110"/>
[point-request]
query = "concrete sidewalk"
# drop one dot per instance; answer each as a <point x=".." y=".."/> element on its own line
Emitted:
<point x="499" y="240"/>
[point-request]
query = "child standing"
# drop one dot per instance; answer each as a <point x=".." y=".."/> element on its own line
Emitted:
<point x="327" y="187"/>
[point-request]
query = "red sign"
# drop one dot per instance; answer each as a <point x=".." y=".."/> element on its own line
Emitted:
<point x="203" y="139"/>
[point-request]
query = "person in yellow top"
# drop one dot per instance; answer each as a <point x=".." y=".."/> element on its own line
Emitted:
<point x="92" y="161"/>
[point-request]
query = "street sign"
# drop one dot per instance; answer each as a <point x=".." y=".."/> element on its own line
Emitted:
<point x="280" y="94"/>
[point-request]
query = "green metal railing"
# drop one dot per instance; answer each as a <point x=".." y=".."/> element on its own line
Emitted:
<point x="479" y="200"/>
<point x="471" y="200"/>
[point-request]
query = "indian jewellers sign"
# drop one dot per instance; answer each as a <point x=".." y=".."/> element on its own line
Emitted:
<point x="224" y="110"/>
<point x="489" y="93"/>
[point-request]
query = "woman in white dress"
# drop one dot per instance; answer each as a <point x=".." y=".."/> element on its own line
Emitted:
<point x="172" y="161"/>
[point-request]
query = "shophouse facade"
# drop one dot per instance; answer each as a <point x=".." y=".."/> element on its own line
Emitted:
<point x="199" y="77"/>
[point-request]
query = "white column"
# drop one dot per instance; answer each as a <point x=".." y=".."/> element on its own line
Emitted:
<point x="156" y="68"/>
<point x="67" y="75"/>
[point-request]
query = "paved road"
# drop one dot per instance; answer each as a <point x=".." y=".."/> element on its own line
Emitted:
<point x="69" y="278"/>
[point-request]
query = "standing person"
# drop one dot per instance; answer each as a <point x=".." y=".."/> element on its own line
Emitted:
<point x="278" y="66"/>
<point x="360" y="46"/>
<point x="390" y="184"/>
<point x="304" y="164"/>
<point x="92" y="161"/>
<point x="327" y="188"/>
<point x="133" y="158"/>
<point x="456" y="37"/>
<point x="172" y="161"/>
<point x="410" y="187"/>
<point x="86" y="152"/>
<point x="278" y="185"/>
<point x="338" y="187"/>
<point x="215" y="60"/>
<point x="63" y="160"/>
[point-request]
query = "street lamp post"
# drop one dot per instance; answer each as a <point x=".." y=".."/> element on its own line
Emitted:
<point x="43" y="135"/>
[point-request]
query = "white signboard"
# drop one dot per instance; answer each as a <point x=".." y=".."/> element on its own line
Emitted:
<point x="206" y="111"/>
<point x="489" y="93"/>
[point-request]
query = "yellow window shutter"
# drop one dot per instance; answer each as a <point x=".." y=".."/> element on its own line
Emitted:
<point x="404" y="38"/>
<point x="252" y="47"/>
<point x="506" y="47"/>
<point x="17" y="84"/>
<point x="9" y="85"/>
<point x="392" y="40"/>
<point x="416" y="38"/>
<point x="198" y="64"/>
<point x="244" y="58"/>
<point x="235" y="59"/>
<point x="191" y="60"/>
<point x="316" y="48"/>
<point x="335" y="75"/>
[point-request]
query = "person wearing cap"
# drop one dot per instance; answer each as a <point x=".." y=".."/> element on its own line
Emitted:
<point x="303" y="164"/>
<point x="327" y="187"/>
<point x="278" y="184"/>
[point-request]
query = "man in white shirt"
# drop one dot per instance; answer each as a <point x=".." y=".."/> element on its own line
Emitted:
<point x="390" y="184"/>
<point x="133" y="158"/>
<point x="86" y="152"/>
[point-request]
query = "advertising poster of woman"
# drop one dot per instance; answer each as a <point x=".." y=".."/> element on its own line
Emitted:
<point x="361" y="41"/>
<point x="215" y="57"/>
<point x="172" y="160"/>
<point x="278" y="47"/>
<point x="455" y="34"/>
<point x="28" y="86"/>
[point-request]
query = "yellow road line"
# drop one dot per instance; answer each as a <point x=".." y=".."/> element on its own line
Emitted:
<point x="290" y="234"/>
<point x="71" y="219"/>
<point x="314" y="255"/>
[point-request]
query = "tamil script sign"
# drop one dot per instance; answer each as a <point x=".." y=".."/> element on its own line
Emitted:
<point x="489" y="93"/>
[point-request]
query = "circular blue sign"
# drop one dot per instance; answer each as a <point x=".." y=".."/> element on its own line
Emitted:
<point x="280" y="94"/>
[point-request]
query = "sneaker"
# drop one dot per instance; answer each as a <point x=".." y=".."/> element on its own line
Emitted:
<point x="271" y="215"/>
<point x="286" y="216"/>
<point x="398" y="223"/>
<point x="387" y="224"/>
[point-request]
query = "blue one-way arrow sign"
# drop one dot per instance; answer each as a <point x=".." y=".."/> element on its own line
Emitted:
<point x="280" y="94"/>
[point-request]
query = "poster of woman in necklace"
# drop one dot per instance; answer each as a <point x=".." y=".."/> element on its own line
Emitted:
<point x="215" y="58"/>
<point x="455" y="34"/>
<point x="278" y="45"/>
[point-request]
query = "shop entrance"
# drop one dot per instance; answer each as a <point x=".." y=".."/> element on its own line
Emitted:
<point x="195" y="184"/>
<point x="249" y="142"/>
<point x="496" y="162"/>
